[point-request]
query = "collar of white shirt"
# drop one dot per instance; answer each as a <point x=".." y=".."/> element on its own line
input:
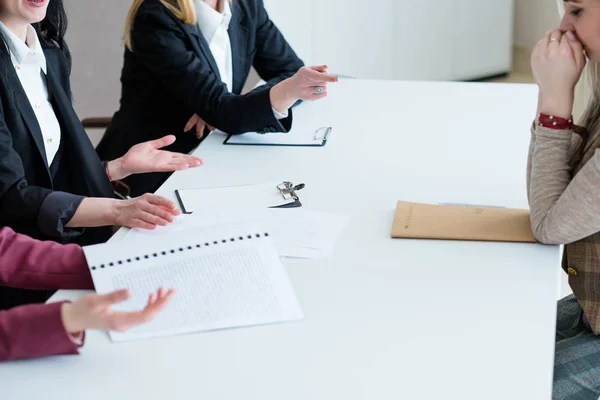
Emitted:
<point x="209" y="20"/>
<point x="32" y="51"/>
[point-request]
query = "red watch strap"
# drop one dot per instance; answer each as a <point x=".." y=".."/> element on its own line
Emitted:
<point x="554" y="122"/>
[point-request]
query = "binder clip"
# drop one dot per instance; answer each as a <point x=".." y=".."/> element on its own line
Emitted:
<point x="288" y="190"/>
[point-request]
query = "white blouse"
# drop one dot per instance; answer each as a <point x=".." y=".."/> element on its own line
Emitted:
<point x="30" y="63"/>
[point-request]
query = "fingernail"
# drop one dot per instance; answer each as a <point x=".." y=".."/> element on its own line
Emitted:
<point x="571" y="35"/>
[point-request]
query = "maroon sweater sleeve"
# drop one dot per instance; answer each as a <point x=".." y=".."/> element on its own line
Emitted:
<point x="37" y="330"/>
<point x="32" y="264"/>
<point x="34" y="331"/>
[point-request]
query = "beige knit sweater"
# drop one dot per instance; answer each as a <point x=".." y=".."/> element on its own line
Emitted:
<point x="564" y="208"/>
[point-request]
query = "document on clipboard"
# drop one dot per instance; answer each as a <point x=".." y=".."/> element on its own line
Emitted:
<point x="300" y="138"/>
<point x="269" y="195"/>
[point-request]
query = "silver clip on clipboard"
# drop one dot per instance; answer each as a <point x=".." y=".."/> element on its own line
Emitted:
<point x="288" y="190"/>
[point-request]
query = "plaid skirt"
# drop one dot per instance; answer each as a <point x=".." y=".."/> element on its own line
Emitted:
<point x="577" y="355"/>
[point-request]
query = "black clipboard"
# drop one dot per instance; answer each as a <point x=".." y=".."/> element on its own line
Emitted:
<point x="287" y="190"/>
<point x="319" y="139"/>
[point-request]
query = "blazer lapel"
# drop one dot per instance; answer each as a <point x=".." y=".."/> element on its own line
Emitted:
<point x="92" y="172"/>
<point x="28" y="115"/>
<point x="201" y="46"/>
<point x="238" y="36"/>
<point x="58" y="98"/>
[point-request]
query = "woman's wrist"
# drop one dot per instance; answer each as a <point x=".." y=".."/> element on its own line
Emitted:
<point x="559" y="106"/>
<point x="68" y="319"/>
<point x="115" y="170"/>
<point x="95" y="211"/>
<point x="281" y="98"/>
<point x="539" y="103"/>
<point x="112" y="211"/>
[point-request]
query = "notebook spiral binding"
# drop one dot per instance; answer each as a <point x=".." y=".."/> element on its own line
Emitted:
<point x="180" y="249"/>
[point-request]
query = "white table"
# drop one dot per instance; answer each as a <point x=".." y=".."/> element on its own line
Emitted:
<point x="385" y="318"/>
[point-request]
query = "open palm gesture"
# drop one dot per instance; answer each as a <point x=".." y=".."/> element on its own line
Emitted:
<point x="148" y="157"/>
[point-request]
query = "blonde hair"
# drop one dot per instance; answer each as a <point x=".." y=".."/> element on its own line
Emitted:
<point x="182" y="9"/>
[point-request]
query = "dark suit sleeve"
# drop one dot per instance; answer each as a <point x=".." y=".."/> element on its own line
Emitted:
<point x="275" y="60"/>
<point x="19" y="202"/>
<point x="159" y="43"/>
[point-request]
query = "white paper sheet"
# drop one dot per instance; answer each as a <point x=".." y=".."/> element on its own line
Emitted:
<point x="297" y="232"/>
<point x="224" y="277"/>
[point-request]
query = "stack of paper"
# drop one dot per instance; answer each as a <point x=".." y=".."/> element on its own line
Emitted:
<point x="297" y="232"/>
<point x="301" y="233"/>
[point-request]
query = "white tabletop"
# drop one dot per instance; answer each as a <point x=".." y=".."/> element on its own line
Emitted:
<point x="385" y="318"/>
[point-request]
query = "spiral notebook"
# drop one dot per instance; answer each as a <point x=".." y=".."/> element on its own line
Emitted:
<point x="224" y="277"/>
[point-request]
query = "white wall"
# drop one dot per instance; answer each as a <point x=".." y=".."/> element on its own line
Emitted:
<point x="483" y="37"/>
<point x="533" y="18"/>
<point x="351" y="37"/>
<point x="386" y="39"/>
<point x="401" y="39"/>
<point x="95" y="38"/>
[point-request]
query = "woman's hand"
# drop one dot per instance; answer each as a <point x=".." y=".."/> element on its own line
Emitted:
<point x="94" y="311"/>
<point x="199" y="125"/>
<point x="557" y="62"/>
<point x="147" y="157"/>
<point x="309" y="83"/>
<point x="146" y="212"/>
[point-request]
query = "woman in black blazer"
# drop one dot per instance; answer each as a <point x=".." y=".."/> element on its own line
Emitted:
<point x="181" y="63"/>
<point x="52" y="183"/>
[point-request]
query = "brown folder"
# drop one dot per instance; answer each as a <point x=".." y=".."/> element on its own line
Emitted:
<point x="427" y="221"/>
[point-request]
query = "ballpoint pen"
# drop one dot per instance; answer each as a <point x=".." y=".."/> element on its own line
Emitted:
<point x="342" y="76"/>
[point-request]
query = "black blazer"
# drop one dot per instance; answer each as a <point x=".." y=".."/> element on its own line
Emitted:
<point x="36" y="199"/>
<point x="171" y="75"/>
